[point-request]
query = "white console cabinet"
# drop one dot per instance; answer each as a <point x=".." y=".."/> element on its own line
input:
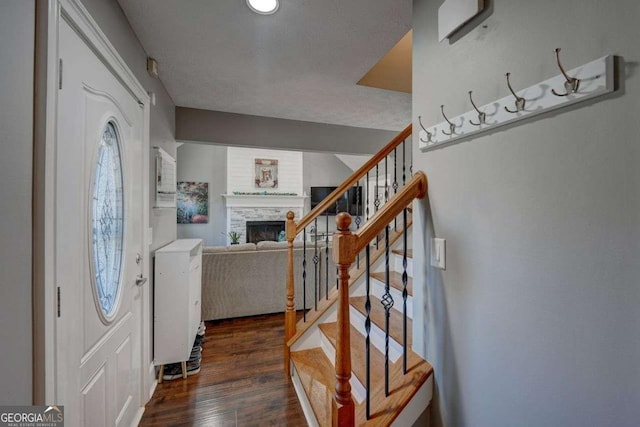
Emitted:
<point x="177" y="307"/>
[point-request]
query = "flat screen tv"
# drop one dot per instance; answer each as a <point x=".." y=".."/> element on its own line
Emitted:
<point x="350" y="202"/>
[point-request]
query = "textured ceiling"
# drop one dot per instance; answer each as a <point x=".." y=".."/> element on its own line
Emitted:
<point x="301" y="63"/>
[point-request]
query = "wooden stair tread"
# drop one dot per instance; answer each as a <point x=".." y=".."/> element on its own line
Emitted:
<point x="395" y="280"/>
<point x="358" y="353"/>
<point x="378" y="317"/>
<point x="401" y="252"/>
<point x="318" y="377"/>
<point x="402" y="387"/>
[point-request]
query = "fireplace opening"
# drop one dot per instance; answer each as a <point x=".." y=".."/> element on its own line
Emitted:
<point x="258" y="231"/>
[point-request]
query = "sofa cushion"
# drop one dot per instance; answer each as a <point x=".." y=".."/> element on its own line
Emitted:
<point x="242" y="247"/>
<point x="268" y="244"/>
<point x="214" y="249"/>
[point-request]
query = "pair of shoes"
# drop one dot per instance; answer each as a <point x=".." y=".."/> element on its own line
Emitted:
<point x="173" y="371"/>
<point x="195" y="354"/>
<point x="201" y="328"/>
<point x="196" y="349"/>
<point x="198" y="341"/>
<point x="193" y="366"/>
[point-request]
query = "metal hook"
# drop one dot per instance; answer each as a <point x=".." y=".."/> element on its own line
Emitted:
<point x="452" y="127"/>
<point x="429" y="134"/>
<point x="519" y="101"/>
<point x="482" y="117"/>
<point x="571" y="84"/>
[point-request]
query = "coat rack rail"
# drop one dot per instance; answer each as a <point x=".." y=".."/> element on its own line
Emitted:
<point x="586" y="82"/>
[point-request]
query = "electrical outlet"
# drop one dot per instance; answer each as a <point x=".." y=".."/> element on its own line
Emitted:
<point x="438" y="253"/>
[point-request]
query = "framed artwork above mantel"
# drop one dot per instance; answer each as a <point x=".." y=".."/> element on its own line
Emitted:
<point x="266" y="173"/>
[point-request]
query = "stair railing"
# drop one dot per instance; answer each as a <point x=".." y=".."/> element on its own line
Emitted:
<point x="316" y="243"/>
<point x="346" y="245"/>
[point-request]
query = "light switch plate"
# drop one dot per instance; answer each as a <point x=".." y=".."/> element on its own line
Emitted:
<point x="438" y="253"/>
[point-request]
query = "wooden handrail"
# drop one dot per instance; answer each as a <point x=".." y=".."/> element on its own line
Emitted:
<point x="416" y="188"/>
<point x="353" y="179"/>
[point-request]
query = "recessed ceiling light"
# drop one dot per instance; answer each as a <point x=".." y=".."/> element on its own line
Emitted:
<point x="263" y="7"/>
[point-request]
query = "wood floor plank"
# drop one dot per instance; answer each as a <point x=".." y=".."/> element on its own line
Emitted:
<point x="241" y="382"/>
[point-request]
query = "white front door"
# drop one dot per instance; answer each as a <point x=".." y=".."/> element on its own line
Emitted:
<point x="98" y="235"/>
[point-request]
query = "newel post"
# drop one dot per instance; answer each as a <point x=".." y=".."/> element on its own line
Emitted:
<point x="344" y="242"/>
<point x="290" y="311"/>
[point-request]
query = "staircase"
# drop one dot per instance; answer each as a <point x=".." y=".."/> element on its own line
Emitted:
<point x="350" y="357"/>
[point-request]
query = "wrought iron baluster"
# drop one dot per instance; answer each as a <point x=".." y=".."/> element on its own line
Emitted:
<point x="304" y="274"/>
<point x="358" y="219"/>
<point x="316" y="259"/>
<point x="326" y="255"/>
<point x="376" y="201"/>
<point x="405" y="279"/>
<point x="395" y="182"/>
<point x="386" y="182"/>
<point x="387" y="303"/>
<point x="367" y="328"/>
<point x="368" y="199"/>
<point x="404" y="164"/>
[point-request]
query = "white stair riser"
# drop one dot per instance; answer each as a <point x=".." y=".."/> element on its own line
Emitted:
<point x="417" y="405"/>
<point x="376" y="336"/>
<point x="312" y="337"/>
<point x="377" y="290"/>
<point x="397" y="264"/>
<point x="357" y="388"/>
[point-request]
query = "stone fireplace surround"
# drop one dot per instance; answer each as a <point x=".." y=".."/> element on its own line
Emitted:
<point x="243" y="208"/>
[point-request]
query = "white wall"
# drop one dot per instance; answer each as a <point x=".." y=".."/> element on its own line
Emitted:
<point x="17" y="32"/>
<point x="536" y="319"/>
<point x="241" y="170"/>
<point x="206" y="163"/>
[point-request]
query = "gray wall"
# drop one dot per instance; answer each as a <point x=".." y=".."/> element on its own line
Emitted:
<point x="114" y="24"/>
<point x="266" y="132"/>
<point x="17" y="32"/>
<point x="323" y="170"/>
<point x="206" y="163"/>
<point x="536" y="319"/>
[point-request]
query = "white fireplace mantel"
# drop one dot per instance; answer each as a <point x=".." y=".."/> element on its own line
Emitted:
<point x="263" y="201"/>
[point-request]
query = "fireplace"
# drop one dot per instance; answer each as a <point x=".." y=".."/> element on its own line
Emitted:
<point x="258" y="231"/>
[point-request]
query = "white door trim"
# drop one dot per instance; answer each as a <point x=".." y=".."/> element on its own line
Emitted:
<point x="78" y="17"/>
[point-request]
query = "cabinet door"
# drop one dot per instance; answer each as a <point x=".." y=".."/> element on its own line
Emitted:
<point x="195" y="283"/>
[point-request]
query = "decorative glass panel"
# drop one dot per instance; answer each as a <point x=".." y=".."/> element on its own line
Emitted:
<point x="107" y="221"/>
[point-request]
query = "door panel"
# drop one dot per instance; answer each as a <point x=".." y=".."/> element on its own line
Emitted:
<point x="98" y="356"/>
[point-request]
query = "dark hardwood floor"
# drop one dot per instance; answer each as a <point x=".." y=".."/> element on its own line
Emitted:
<point x="241" y="381"/>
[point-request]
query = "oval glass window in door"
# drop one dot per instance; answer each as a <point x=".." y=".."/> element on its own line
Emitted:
<point x="107" y="222"/>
